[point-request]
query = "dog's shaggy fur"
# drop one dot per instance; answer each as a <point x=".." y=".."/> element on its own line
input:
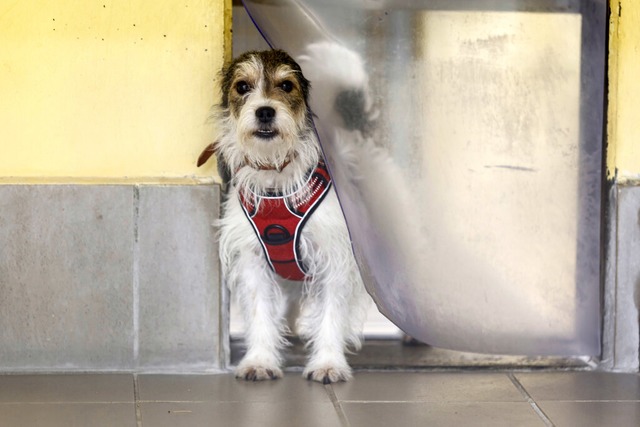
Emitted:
<point x="267" y="144"/>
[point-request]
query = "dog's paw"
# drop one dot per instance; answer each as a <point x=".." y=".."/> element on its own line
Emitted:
<point x="258" y="373"/>
<point x="341" y="81"/>
<point x="328" y="374"/>
<point x="329" y="60"/>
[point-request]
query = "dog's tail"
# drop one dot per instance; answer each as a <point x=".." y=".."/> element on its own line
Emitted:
<point x="207" y="153"/>
<point x="223" y="169"/>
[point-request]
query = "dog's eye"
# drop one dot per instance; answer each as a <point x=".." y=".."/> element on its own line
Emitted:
<point x="286" y="86"/>
<point x="242" y="87"/>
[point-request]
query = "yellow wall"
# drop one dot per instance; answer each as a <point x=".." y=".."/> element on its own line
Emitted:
<point x="623" y="149"/>
<point x="119" y="90"/>
<point x="110" y="90"/>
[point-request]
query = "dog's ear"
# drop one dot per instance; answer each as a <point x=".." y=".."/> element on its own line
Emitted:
<point x="208" y="152"/>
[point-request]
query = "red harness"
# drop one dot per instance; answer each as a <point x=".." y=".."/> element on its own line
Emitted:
<point x="278" y="221"/>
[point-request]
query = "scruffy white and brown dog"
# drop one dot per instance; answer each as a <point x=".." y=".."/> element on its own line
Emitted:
<point x="283" y="236"/>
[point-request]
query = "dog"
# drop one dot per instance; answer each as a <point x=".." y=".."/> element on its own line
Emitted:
<point x="283" y="237"/>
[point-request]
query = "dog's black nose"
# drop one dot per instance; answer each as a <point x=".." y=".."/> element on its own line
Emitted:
<point x="265" y="114"/>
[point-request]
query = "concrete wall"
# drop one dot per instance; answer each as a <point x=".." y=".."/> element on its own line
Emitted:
<point x="107" y="251"/>
<point x="623" y="153"/>
<point x="112" y="277"/>
<point x="107" y="91"/>
<point x="622" y="245"/>
<point x="108" y="254"/>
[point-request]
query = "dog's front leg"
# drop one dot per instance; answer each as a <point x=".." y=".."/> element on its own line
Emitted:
<point x="263" y="305"/>
<point x="324" y="317"/>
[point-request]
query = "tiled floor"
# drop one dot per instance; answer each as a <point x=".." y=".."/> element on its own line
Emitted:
<point x="392" y="398"/>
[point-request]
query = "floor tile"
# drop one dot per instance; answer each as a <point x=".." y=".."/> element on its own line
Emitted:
<point x="434" y="414"/>
<point x="66" y="388"/>
<point x="428" y="387"/>
<point x="592" y="414"/>
<point x="581" y="385"/>
<point x="239" y="414"/>
<point x="68" y="415"/>
<point x="226" y="388"/>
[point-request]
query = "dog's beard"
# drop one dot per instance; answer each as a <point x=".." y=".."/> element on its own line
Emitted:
<point x="258" y="165"/>
<point x="272" y="152"/>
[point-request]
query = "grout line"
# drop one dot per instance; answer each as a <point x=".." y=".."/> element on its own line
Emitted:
<point x="337" y="406"/>
<point x="64" y="402"/>
<point x="545" y="419"/>
<point x="136" y="400"/>
<point x="136" y="276"/>
<point x="592" y="401"/>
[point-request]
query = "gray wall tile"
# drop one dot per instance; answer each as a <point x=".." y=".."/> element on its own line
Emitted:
<point x="628" y="279"/>
<point x="108" y="278"/>
<point x="65" y="277"/>
<point x="179" y="283"/>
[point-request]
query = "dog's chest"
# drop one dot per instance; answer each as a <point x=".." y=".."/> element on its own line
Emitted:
<point x="278" y="221"/>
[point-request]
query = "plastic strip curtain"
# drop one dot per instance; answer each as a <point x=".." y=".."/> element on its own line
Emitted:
<point x="466" y="156"/>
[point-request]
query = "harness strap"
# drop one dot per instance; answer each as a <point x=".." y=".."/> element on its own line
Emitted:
<point x="278" y="221"/>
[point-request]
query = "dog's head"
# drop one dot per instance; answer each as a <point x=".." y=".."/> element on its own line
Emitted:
<point x="264" y="118"/>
